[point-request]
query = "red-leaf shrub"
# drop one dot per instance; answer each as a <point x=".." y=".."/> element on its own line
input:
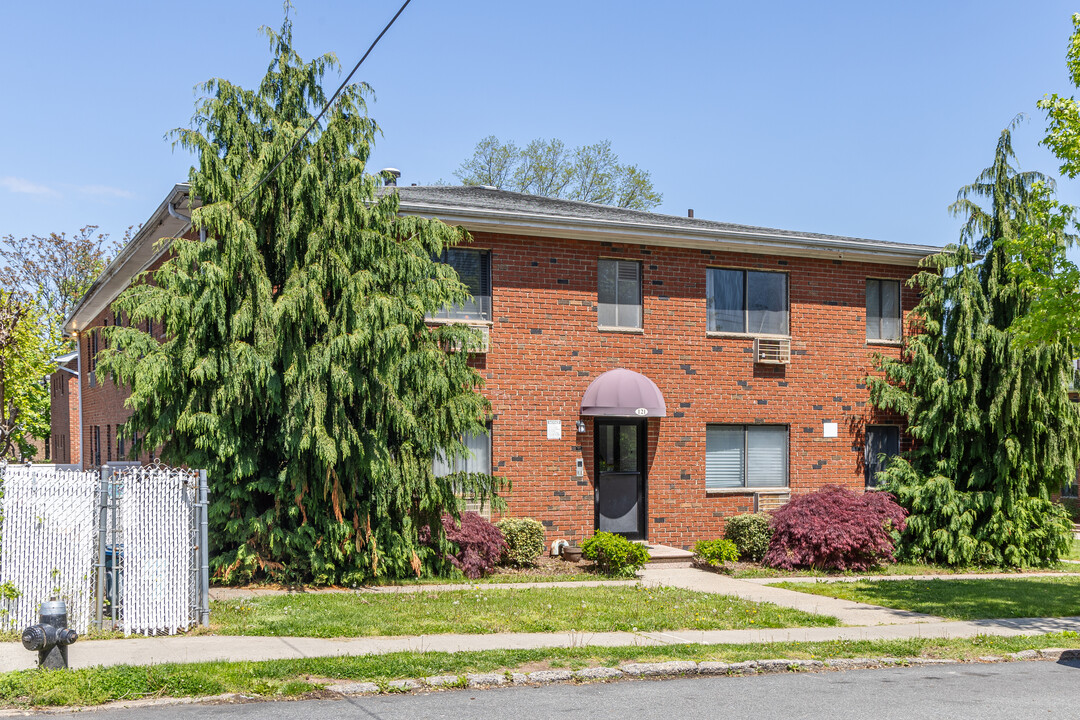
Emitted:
<point x="835" y="529"/>
<point x="480" y="544"/>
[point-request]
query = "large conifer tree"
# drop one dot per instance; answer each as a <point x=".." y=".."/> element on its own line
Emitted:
<point x="994" y="428"/>
<point x="297" y="366"/>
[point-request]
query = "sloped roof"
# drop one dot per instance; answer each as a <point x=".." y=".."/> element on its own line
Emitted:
<point x="485" y="208"/>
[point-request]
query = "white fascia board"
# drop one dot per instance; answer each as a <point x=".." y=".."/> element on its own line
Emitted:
<point x="140" y="253"/>
<point x="728" y="240"/>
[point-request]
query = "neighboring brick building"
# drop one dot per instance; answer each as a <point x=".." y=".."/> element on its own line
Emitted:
<point x="741" y="356"/>
<point x="64" y="418"/>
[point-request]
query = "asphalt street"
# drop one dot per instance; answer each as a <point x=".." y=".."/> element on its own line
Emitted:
<point x="983" y="691"/>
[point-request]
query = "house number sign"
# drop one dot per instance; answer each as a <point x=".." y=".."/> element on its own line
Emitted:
<point x="641" y="411"/>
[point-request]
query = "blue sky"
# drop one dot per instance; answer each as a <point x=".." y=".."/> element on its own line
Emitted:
<point x="854" y="118"/>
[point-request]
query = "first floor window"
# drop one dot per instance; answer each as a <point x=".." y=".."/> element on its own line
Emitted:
<point x="882" y="443"/>
<point x="479" y="461"/>
<point x="474" y="269"/>
<point x="746" y="456"/>
<point x="882" y="309"/>
<point x="618" y="294"/>
<point x="747" y="301"/>
<point x="1069" y="489"/>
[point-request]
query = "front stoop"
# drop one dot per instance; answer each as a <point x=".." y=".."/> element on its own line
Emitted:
<point x="665" y="554"/>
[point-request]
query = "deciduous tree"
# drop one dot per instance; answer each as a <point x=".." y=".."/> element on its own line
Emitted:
<point x="590" y="173"/>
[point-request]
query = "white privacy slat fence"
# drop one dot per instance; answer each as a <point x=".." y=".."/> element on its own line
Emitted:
<point x="48" y="539"/>
<point x="125" y="546"/>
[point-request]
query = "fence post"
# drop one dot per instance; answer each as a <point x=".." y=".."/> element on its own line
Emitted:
<point x="204" y="551"/>
<point x="103" y="525"/>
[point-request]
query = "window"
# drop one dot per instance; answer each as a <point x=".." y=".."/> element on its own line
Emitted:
<point x="474" y="269"/>
<point x="479" y="462"/>
<point x="746" y="456"/>
<point x="618" y="293"/>
<point x="882" y="443"/>
<point x="883" y="310"/>
<point x="1069" y="489"/>
<point x="747" y="301"/>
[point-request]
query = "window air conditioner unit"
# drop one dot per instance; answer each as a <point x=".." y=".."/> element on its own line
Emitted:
<point x="479" y="345"/>
<point x="484" y="343"/>
<point x="772" y="351"/>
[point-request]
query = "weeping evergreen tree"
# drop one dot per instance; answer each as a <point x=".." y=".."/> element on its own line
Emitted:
<point x="297" y="365"/>
<point x="994" y="428"/>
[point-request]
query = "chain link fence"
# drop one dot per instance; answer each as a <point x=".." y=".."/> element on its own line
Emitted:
<point x="125" y="546"/>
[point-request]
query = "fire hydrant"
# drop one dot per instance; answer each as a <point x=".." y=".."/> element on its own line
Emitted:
<point x="51" y="636"/>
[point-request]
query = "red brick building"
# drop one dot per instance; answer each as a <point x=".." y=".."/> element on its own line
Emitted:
<point x="64" y="418"/>
<point x="729" y="361"/>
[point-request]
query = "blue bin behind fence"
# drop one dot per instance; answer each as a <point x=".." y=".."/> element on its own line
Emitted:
<point x="110" y="562"/>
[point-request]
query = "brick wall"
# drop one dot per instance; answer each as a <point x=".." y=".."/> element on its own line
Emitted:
<point x="64" y="417"/>
<point x="546" y="349"/>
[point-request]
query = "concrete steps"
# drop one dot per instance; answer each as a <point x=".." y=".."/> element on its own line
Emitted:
<point x="666" y="555"/>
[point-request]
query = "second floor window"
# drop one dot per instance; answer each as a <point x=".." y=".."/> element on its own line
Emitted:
<point x="474" y="269"/>
<point x="883" y="310"/>
<point x="747" y="301"/>
<point x="618" y="294"/>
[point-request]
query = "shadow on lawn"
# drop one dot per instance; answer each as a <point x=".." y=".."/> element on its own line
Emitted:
<point x="978" y="599"/>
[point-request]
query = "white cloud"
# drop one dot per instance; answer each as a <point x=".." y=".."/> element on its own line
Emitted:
<point x="106" y="191"/>
<point x="25" y="187"/>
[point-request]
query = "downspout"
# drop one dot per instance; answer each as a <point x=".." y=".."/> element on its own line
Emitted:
<point x="185" y="218"/>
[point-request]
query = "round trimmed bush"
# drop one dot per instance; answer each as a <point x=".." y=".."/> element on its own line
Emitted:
<point x="751" y="534"/>
<point x="524" y="540"/>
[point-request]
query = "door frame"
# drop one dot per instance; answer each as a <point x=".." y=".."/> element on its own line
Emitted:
<point x="642" y="425"/>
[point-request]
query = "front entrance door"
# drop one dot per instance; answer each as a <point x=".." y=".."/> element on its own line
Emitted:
<point x="620" y="476"/>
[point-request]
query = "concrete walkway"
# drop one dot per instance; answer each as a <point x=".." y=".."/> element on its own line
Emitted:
<point x="864" y="622"/>
<point x="847" y="611"/>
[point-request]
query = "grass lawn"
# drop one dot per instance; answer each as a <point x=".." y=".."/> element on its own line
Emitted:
<point x="492" y="610"/>
<point x="960" y="599"/>
<point x="293" y="678"/>
<point x="1074" y="554"/>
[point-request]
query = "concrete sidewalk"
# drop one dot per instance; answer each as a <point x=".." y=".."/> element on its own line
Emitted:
<point x="864" y="622"/>
<point x="208" y="648"/>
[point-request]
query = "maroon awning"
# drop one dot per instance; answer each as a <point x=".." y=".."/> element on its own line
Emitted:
<point x="623" y="393"/>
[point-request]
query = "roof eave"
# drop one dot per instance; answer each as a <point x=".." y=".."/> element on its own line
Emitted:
<point x="750" y="241"/>
<point x="135" y="257"/>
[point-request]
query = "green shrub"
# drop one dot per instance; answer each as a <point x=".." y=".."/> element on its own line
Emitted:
<point x="716" y="552"/>
<point x="751" y="534"/>
<point x="524" y="540"/>
<point x="614" y="555"/>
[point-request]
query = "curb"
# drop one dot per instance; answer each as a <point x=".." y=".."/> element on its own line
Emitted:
<point x="626" y="671"/>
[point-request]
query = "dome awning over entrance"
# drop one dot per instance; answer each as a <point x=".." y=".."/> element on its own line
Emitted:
<point x="623" y="393"/>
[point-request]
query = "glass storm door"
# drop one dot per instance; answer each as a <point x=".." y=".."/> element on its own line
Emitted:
<point x="620" y="477"/>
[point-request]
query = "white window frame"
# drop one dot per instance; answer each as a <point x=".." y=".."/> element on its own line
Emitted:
<point x="619" y="324"/>
<point x="458" y="313"/>
<point x="746" y="331"/>
<point x="746" y="430"/>
<point x="899" y="310"/>
<point x="871" y="483"/>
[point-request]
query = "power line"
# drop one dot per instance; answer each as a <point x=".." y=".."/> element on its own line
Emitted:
<point x="325" y="107"/>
